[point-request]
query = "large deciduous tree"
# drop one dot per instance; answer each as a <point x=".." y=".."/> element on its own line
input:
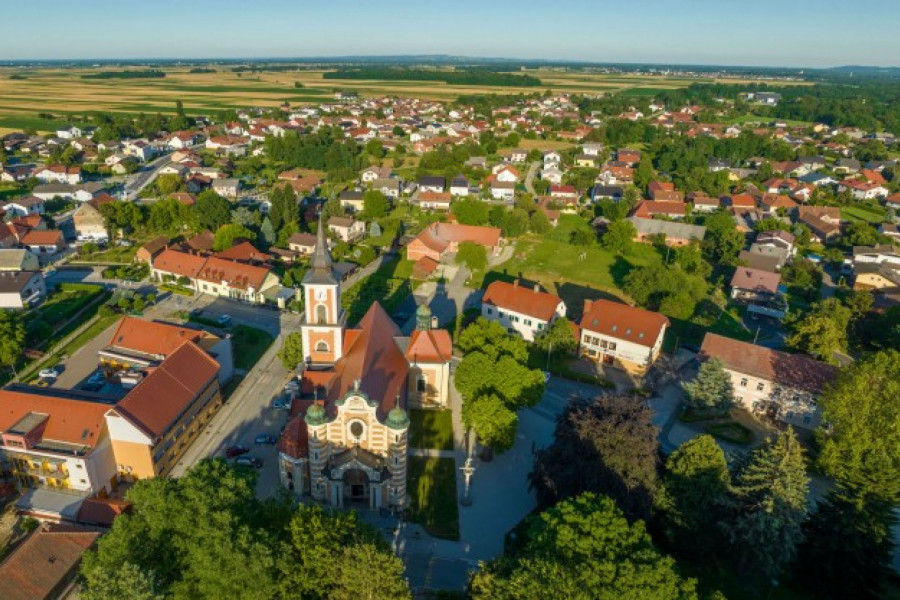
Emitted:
<point x="12" y="338"/>
<point x="558" y="338"/>
<point x="618" y="236"/>
<point x="584" y="549"/>
<point x="291" y="352"/>
<point x="492" y="420"/>
<point x="606" y="445"/>
<point x="212" y="210"/>
<point x="823" y="330"/>
<point x="722" y="241"/>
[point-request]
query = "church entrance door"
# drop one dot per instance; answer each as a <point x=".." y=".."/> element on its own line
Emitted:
<point x="356" y="485"/>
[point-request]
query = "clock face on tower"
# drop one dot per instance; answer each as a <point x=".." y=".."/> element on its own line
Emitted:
<point x="321" y="294"/>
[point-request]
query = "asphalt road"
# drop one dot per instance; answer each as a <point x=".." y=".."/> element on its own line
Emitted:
<point x="529" y="177"/>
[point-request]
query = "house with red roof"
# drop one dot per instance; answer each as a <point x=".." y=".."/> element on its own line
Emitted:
<point x="215" y="275"/>
<point x="772" y="383"/>
<point x="647" y="209"/>
<point x="622" y="336"/>
<point x="523" y="311"/>
<point x="440" y="239"/>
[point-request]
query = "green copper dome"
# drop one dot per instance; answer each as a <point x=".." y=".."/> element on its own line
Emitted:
<point x="423" y="317"/>
<point x="315" y="415"/>
<point x="397" y="418"/>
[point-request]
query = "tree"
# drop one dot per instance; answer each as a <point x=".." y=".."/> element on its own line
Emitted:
<point x="212" y="210"/>
<point x="849" y="544"/>
<point x="862" y="441"/>
<point x="618" y="236"/>
<point x="584" y="549"/>
<point x="823" y="330"/>
<point x="471" y="211"/>
<point x="130" y="582"/>
<point x="694" y="491"/>
<point x="473" y="255"/>
<point x="712" y="388"/>
<point x="723" y="242"/>
<point x="558" y="338"/>
<point x="492" y="420"/>
<point x="291" y="353"/>
<point x="538" y="222"/>
<point x="860" y="233"/>
<point x="491" y="339"/>
<point x="332" y="208"/>
<point x="244" y="217"/>
<point x="480" y="374"/>
<point x="267" y="232"/>
<point x="375" y="205"/>
<point x="769" y="502"/>
<point x="606" y="445"/>
<point x="583" y="237"/>
<point x="12" y="339"/>
<point x="169" y="183"/>
<point x="366" y="571"/>
<point x="228" y="234"/>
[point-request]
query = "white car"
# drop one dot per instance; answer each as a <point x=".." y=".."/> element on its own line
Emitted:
<point x="51" y="373"/>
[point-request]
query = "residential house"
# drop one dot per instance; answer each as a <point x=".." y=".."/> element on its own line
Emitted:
<point x="673" y="233"/>
<point x="302" y="243"/>
<point x="59" y="174"/>
<point x="879" y="254"/>
<point x="439" y="239"/>
<point x="754" y="285"/>
<point x="390" y="187"/>
<point x="346" y="229"/>
<point x="778" y="238"/>
<point x="151" y="249"/>
<point x="847" y="165"/>
<point x="607" y="192"/>
<point x="590" y="149"/>
<point x="782" y="386"/>
<point x="647" y="209"/>
<point x="433" y="200"/>
<point x="24" y="206"/>
<point x="44" y="244"/>
<point x="351" y="200"/>
<point x="18" y="259"/>
<point x="771" y="258"/>
<point x="705" y="204"/>
<point x="21" y="289"/>
<point x="503" y="190"/>
<point x="431" y="183"/>
<point x="227" y="188"/>
<point x="563" y="192"/>
<point x="216" y="276"/>
<point x="373" y="173"/>
<point x="523" y="311"/>
<point x="664" y="191"/>
<point x="518" y="155"/>
<point x="507" y="174"/>
<point x="621" y="336"/>
<point x="863" y="190"/>
<point x="588" y="161"/>
<point x="552" y="174"/>
<point x="459" y="186"/>
<point x="824" y="222"/>
<point x="552" y="159"/>
<point x="88" y="221"/>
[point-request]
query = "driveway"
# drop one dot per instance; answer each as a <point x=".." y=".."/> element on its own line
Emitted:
<point x="529" y="177"/>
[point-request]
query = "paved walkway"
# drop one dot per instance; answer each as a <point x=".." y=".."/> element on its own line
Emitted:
<point x="430" y="453"/>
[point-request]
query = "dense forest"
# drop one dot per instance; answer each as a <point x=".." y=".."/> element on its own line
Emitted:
<point x="148" y="74"/>
<point x="467" y="77"/>
<point x="325" y="150"/>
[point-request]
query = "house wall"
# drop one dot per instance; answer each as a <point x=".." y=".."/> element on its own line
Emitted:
<point x="131" y="448"/>
<point x="627" y="355"/>
<point x="224" y="355"/>
<point x="755" y="393"/>
<point x="436" y="380"/>
<point x="168" y="451"/>
<point x="526" y="326"/>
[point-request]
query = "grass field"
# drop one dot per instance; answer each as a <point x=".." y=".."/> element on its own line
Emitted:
<point x="864" y="212"/>
<point x="63" y="92"/>
<point x="249" y="345"/>
<point x="432" y="495"/>
<point x="430" y="429"/>
<point x="559" y="268"/>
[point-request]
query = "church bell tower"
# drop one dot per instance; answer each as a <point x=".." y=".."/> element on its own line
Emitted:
<point x="323" y="326"/>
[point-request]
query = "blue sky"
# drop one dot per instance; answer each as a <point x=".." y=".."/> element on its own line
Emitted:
<point x="810" y="33"/>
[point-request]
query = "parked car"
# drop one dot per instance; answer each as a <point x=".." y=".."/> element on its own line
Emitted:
<point x="97" y="377"/>
<point x="51" y="373"/>
<point x="282" y="403"/>
<point x="196" y="312"/>
<point x="265" y="440"/>
<point x="248" y="461"/>
<point x="237" y="450"/>
<point x="223" y="320"/>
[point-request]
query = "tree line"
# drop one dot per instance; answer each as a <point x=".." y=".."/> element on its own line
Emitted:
<point x="467" y="77"/>
<point x="147" y="74"/>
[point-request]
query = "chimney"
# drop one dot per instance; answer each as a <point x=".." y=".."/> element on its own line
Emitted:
<point x="516" y="283"/>
<point x="587" y="307"/>
<point x="537" y="288"/>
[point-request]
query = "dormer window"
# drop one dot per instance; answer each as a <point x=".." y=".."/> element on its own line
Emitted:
<point x="615" y="327"/>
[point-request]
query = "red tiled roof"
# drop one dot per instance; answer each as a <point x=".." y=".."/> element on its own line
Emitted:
<point x="71" y="421"/>
<point x="43" y="238"/>
<point x="179" y="263"/>
<point x="439" y="235"/>
<point x="430" y="346"/>
<point x="157" y="402"/>
<point x="755" y="280"/>
<point x="372" y="357"/>
<point x="624" y="322"/>
<point x="43" y="561"/>
<point x="238" y="275"/>
<point x="520" y="299"/>
<point x="102" y="511"/>
<point x="425" y="266"/>
<point x="152" y="337"/>
<point x="648" y="208"/>
<point x="294" y="439"/>
<point x="793" y="370"/>
<point x="243" y="251"/>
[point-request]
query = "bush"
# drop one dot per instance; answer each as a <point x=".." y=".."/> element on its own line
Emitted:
<point x="731" y="432"/>
<point x="176" y="289"/>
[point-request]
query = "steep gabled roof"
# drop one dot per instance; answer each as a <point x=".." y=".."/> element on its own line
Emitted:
<point x="429" y="346"/>
<point x="624" y="322"/>
<point x="520" y="299"/>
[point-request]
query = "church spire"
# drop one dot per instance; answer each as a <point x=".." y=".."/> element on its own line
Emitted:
<point x="320" y="265"/>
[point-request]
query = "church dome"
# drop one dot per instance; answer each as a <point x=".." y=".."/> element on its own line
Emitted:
<point x="315" y="415"/>
<point x="397" y="418"/>
<point x="423" y="311"/>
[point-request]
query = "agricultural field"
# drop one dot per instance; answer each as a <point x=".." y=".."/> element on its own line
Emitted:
<point x="63" y="91"/>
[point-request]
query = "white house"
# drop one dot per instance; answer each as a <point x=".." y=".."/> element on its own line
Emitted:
<point x="622" y="336"/>
<point x="68" y="133"/>
<point x="502" y="190"/>
<point x="522" y="311"/>
<point x="459" y="186"/>
<point x="59" y="174"/>
<point x="552" y="174"/>
<point x="27" y="205"/>
<point x="346" y="228"/>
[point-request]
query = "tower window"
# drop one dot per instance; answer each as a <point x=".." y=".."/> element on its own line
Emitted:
<point x="421" y="384"/>
<point x="321" y="346"/>
<point x="321" y="314"/>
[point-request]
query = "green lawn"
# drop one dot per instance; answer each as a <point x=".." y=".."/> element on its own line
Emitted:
<point x="92" y="331"/>
<point x="431" y="483"/>
<point x="687" y="332"/>
<point x="574" y="273"/>
<point x="115" y="254"/>
<point x="62" y="305"/>
<point x="864" y="212"/>
<point x="249" y="344"/>
<point x="431" y="429"/>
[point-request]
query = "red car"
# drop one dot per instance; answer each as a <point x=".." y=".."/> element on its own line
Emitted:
<point x="233" y="451"/>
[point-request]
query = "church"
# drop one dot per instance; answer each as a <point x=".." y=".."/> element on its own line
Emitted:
<point x="346" y="441"/>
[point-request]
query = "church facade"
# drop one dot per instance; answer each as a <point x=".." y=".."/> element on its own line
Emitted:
<point x="347" y="439"/>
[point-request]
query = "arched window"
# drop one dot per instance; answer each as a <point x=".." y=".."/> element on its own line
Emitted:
<point x="421" y="384"/>
<point x="321" y="314"/>
<point x="321" y="346"/>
